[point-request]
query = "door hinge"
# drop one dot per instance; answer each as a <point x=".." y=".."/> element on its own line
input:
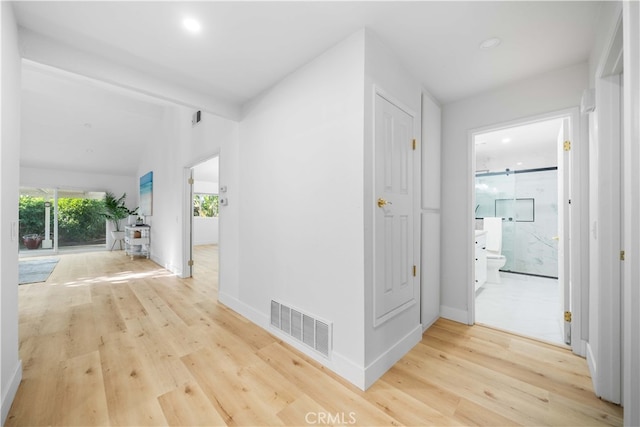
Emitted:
<point x="414" y="271"/>
<point x="567" y="316"/>
<point x="621" y="255"/>
<point x="413" y="144"/>
<point x="567" y="146"/>
<point x="190" y="263"/>
<point x="190" y="181"/>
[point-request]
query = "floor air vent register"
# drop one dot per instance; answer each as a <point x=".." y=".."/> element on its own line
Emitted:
<point x="302" y="327"/>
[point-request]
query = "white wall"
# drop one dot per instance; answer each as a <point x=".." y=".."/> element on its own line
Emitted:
<point x="11" y="366"/>
<point x="300" y="204"/>
<point x="205" y="230"/>
<point x="205" y="187"/>
<point x="305" y="208"/>
<point x="180" y="147"/>
<point x="56" y="178"/>
<point x="608" y="15"/>
<point x="553" y="91"/>
<point x="388" y="342"/>
<point x="84" y="181"/>
<point x="430" y="212"/>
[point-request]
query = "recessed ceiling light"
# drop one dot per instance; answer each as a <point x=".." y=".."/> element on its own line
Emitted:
<point x="506" y="140"/>
<point x="519" y="163"/>
<point x="191" y="25"/>
<point x="490" y="43"/>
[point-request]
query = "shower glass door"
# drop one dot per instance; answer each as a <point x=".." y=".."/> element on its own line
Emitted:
<point x="526" y="200"/>
<point x="495" y="197"/>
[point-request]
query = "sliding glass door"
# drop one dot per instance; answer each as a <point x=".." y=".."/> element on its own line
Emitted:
<point x="53" y="219"/>
<point x="37" y="219"/>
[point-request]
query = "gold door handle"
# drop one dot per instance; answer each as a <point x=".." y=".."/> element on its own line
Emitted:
<point x="556" y="237"/>
<point x="382" y="202"/>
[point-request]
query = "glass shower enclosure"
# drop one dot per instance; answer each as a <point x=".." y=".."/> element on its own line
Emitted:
<point x="527" y="202"/>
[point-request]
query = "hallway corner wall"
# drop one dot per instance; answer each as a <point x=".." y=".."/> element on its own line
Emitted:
<point x="10" y="363"/>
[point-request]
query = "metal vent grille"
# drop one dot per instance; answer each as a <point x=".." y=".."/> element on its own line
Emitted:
<point x="302" y="327"/>
<point x="296" y="325"/>
<point x="308" y="335"/>
<point x="322" y="337"/>
<point x="275" y="314"/>
<point x="285" y="319"/>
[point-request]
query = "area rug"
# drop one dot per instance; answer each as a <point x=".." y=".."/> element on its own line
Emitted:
<point x="35" y="270"/>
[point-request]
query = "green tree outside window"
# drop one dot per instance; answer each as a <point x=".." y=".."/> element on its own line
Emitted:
<point x="205" y="205"/>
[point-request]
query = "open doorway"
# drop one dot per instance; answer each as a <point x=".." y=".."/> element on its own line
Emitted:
<point x="204" y="218"/>
<point x="521" y="228"/>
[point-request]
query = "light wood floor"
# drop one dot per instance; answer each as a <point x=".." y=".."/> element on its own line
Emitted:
<point x="110" y="341"/>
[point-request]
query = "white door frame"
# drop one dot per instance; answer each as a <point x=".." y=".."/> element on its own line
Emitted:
<point x="604" y="348"/>
<point x="631" y="265"/>
<point x="564" y="225"/>
<point x="187" y="222"/>
<point x="187" y="213"/>
<point x="579" y="164"/>
<point x="604" y="344"/>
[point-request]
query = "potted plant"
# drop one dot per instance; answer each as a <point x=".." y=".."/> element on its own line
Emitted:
<point x="114" y="212"/>
<point x="32" y="241"/>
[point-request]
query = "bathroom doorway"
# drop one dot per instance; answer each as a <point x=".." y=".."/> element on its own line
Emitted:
<point x="520" y="176"/>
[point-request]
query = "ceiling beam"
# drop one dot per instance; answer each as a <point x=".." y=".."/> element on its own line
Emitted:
<point x="47" y="51"/>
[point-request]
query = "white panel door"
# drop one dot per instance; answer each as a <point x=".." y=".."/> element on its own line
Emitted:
<point x="564" y="231"/>
<point x="393" y="241"/>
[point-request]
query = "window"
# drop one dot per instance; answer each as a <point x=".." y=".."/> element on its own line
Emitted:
<point x="205" y="205"/>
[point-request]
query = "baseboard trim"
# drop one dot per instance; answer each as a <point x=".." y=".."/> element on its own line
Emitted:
<point x="260" y="319"/>
<point x="171" y="268"/>
<point x="455" y="314"/>
<point x="580" y="348"/>
<point x="593" y="370"/>
<point x="429" y="323"/>
<point x="339" y="364"/>
<point x="386" y="360"/>
<point x="11" y="390"/>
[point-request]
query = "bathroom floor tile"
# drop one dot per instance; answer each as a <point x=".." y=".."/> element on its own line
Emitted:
<point x="525" y="305"/>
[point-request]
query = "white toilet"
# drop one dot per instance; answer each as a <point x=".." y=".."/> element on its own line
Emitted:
<point x="495" y="259"/>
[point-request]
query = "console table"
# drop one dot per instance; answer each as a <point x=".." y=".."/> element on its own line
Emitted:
<point x="137" y="240"/>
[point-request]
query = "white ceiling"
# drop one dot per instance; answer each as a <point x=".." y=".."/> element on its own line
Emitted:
<point x="529" y="146"/>
<point x="247" y="47"/>
<point x="81" y="125"/>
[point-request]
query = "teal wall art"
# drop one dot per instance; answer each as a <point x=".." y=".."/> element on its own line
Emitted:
<point x="146" y="194"/>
